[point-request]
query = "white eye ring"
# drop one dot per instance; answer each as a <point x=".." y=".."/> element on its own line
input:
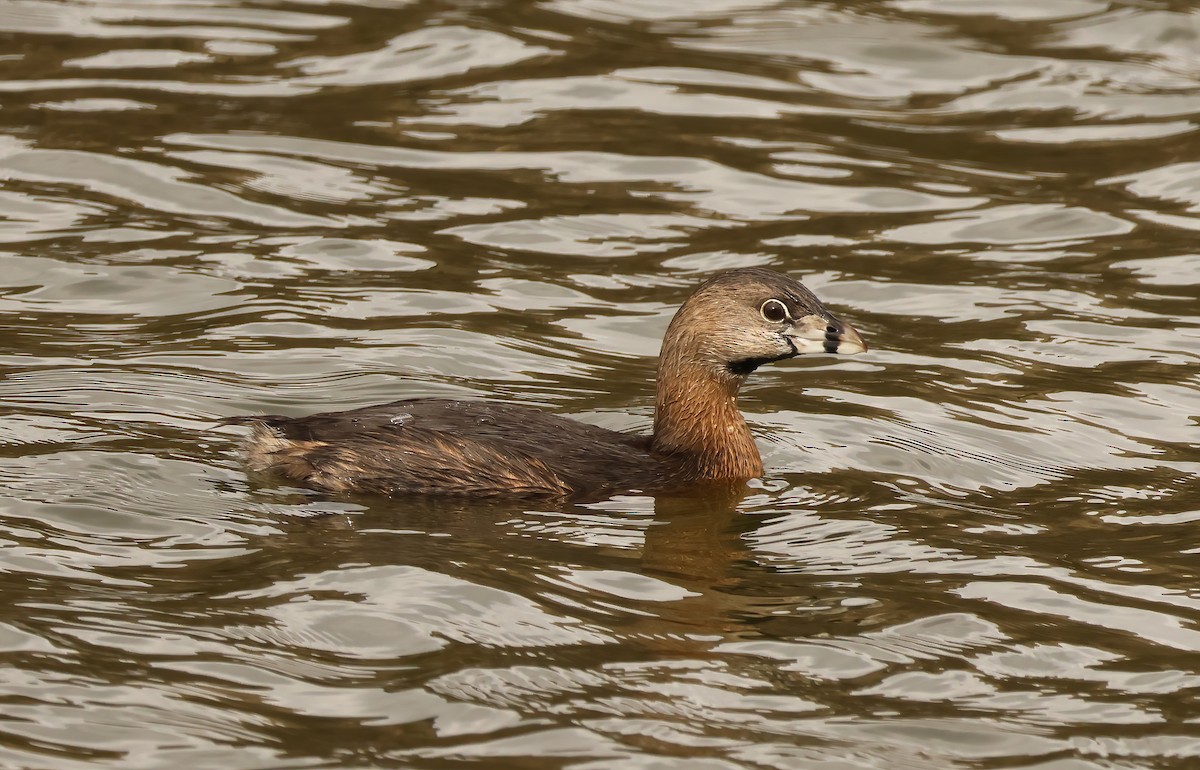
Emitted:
<point x="774" y="311"/>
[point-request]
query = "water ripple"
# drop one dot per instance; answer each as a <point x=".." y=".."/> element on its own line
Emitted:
<point x="973" y="545"/>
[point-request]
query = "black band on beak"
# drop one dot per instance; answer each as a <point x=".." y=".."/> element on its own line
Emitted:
<point x="833" y="337"/>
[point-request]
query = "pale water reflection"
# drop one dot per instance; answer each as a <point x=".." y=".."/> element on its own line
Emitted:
<point x="974" y="547"/>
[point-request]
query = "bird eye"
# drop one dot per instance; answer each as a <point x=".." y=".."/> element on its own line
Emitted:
<point x="774" y="311"/>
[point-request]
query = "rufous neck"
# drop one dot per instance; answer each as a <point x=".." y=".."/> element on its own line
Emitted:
<point x="697" y="421"/>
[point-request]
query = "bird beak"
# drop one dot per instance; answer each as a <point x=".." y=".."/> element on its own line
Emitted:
<point x="846" y="341"/>
<point x="825" y="333"/>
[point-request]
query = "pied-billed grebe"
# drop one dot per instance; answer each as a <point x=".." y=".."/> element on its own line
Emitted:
<point x="732" y="324"/>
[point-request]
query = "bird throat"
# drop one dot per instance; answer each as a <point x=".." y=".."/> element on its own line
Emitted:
<point x="697" y="423"/>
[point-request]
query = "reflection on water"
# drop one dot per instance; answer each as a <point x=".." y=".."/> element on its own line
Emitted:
<point x="974" y="546"/>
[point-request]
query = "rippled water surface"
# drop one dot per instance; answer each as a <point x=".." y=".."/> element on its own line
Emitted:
<point x="976" y="546"/>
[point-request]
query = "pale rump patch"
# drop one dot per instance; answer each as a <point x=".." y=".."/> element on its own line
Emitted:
<point x="267" y="451"/>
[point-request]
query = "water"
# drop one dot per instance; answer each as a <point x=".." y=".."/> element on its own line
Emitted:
<point x="975" y="546"/>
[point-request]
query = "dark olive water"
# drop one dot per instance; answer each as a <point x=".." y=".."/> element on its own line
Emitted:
<point x="977" y="546"/>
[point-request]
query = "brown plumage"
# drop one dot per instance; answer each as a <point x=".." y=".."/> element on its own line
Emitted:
<point x="731" y="324"/>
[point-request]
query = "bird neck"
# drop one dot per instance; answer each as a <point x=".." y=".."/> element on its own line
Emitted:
<point x="697" y="421"/>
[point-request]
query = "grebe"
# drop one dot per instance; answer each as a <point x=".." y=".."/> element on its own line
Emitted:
<point x="732" y="324"/>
